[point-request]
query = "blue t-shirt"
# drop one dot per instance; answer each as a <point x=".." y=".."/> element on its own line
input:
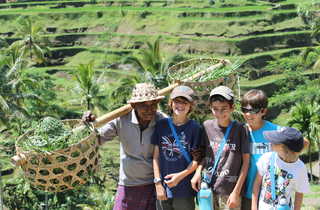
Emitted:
<point x="171" y="159"/>
<point x="258" y="146"/>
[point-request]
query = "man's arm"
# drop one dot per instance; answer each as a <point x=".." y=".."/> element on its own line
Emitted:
<point x="256" y="192"/>
<point x="234" y="198"/>
<point x="108" y="131"/>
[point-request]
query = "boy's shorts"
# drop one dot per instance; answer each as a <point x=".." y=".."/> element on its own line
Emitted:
<point x="220" y="202"/>
<point x="177" y="204"/>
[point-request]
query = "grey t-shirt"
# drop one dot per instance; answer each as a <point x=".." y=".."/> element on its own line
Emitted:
<point x="136" y="150"/>
<point x="229" y="166"/>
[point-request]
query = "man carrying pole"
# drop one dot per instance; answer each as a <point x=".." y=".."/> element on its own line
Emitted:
<point x="136" y="189"/>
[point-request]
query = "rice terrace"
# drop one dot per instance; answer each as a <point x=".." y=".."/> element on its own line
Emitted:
<point x="60" y="58"/>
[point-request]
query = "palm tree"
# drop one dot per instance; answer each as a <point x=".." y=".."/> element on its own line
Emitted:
<point x="151" y="65"/>
<point x="305" y="117"/>
<point x="18" y="90"/>
<point x="10" y="100"/>
<point x="89" y="86"/>
<point x="32" y="43"/>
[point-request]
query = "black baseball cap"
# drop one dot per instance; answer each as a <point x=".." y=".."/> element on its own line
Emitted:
<point x="288" y="136"/>
<point x="182" y="91"/>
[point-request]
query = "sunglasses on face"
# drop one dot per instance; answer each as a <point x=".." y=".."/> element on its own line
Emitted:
<point x="250" y="111"/>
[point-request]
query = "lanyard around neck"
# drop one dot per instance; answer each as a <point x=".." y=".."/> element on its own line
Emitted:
<point x="218" y="155"/>
<point x="272" y="176"/>
<point x="175" y="135"/>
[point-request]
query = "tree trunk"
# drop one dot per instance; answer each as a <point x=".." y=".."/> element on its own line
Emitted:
<point x="310" y="163"/>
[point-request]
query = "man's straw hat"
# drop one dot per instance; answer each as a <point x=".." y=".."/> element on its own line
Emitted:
<point x="144" y="92"/>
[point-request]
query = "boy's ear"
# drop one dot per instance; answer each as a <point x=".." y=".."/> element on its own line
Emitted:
<point x="264" y="111"/>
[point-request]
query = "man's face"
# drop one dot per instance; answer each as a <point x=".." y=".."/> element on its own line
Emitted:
<point x="146" y="111"/>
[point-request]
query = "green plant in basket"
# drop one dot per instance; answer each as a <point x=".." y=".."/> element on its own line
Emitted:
<point x="51" y="134"/>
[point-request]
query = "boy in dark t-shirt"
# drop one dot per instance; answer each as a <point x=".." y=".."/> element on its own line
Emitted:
<point x="231" y="171"/>
<point x="174" y="161"/>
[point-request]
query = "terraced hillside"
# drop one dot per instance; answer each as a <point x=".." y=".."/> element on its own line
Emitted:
<point x="268" y="36"/>
<point x="108" y="31"/>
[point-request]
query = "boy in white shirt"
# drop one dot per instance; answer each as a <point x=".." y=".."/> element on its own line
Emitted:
<point x="290" y="174"/>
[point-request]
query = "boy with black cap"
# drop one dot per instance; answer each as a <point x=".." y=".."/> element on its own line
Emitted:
<point x="177" y="141"/>
<point x="281" y="174"/>
<point x="230" y="172"/>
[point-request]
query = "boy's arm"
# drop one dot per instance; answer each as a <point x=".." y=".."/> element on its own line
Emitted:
<point x="256" y="191"/>
<point x="161" y="193"/>
<point x="298" y="201"/>
<point x="234" y="198"/>
<point x="175" y="178"/>
<point x="196" y="179"/>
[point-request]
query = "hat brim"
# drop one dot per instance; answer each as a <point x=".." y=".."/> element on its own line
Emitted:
<point x="188" y="97"/>
<point x="274" y="137"/>
<point x="226" y="96"/>
<point x="131" y="101"/>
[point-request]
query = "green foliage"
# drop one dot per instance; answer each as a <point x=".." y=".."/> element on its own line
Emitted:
<point x="18" y="194"/>
<point x="309" y="13"/>
<point x="302" y="93"/>
<point x="51" y="134"/>
<point x="32" y="43"/>
<point x="150" y="67"/>
<point x="150" y="64"/>
<point x="305" y="117"/>
<point x="89" y="86"/>
<point x="291" y="63"/>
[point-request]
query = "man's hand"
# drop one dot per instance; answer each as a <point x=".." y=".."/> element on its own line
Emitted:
<point x="88" y="117"/>
<point x="161" y="192"/>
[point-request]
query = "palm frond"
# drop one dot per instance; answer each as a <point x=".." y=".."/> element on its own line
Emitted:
<point x="4" y="104"/>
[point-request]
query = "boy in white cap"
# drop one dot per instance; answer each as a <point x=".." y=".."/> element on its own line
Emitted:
<point x="229" y="175"/>
<point x="282" y="178"/>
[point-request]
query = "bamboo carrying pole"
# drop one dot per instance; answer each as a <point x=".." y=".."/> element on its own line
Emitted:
<point x="127" y="108"/>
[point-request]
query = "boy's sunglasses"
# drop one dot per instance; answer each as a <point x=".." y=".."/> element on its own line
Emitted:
<point x="250" y="111"/>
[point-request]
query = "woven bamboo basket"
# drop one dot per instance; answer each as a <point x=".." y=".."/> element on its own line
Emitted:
<point x="202" y="88"/>
<point x="62" y="169"/>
